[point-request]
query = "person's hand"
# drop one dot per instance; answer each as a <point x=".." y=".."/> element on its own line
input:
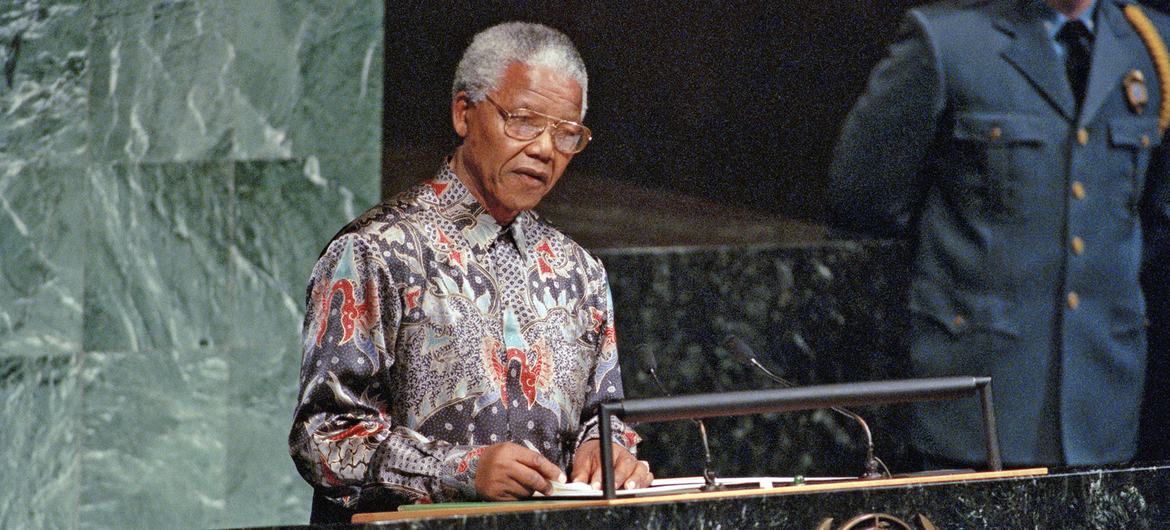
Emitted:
<point x="628" y="472"/>
<point x="507" y="471"/>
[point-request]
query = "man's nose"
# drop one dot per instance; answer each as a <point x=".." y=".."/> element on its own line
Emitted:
<point x="541" y="147"/>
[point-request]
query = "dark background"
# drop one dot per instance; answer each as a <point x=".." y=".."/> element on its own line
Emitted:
<point x="738" y="103"/>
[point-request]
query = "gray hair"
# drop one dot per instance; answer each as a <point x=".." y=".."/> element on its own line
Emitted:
<point x="536" y="45"/>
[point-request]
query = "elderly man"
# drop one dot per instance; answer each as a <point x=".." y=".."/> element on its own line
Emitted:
<point x="456" y="346"/>
<point x="1019" y="144"/>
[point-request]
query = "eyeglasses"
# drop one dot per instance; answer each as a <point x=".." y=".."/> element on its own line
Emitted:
<point x="522" y="124"/>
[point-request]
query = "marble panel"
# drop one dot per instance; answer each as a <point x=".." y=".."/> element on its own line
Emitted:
<point x="42" y="250"/>
<point x="314" y="78"/>
<point x="153" y="449"/>
<point x="286" y="213"/>
<point x="39" y="426"/>
<point x="43" y="78"/>
<point x="265" y="36"/>
<point x="263" y="486"/>
<point x="359" y="175"/>
<point x="209" y="79"/>
<point x="813" y="314"/>
<point x="163" y="84"/>
<point x="157" y="276"/>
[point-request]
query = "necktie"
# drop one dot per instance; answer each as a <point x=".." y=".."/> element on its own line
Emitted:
<point x="1078" y="45"/>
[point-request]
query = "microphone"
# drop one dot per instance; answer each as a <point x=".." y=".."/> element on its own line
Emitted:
<point x="650" y="366"/>
<point x="744" y="354"/>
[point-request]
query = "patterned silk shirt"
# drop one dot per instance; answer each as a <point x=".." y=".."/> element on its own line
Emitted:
<point x="432" y="332"/>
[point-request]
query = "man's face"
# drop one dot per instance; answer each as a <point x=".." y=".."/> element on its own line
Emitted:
<point x="507" y="175"/>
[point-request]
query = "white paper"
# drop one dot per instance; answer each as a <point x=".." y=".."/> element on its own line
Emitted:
<point x="662" y="486"/>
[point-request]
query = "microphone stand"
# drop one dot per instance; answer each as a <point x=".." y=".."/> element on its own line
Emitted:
<point x="745" y="355"/>
<point x="709" y="483"/>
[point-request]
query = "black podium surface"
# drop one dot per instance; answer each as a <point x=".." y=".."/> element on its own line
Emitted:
<point x="1074" y="498"/>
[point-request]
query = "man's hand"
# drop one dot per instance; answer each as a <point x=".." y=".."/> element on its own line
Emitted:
<point x="628" y="472"/>
<point x="507" y="471"/>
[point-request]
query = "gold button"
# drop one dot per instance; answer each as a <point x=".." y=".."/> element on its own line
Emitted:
<point x="1082" y="136"/>
<point x="995" y="133"/>
<point x="1078" y="190"/>
<point x="1078" y="245"/>
<point x="958" y="321"/>
<point x="1073" y="300"/>
<point x="1145" y="140"/>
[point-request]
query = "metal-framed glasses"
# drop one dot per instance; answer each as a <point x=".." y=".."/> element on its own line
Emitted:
<point x="569" y="137"/>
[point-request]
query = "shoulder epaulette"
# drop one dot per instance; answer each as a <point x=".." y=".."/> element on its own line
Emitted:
<point x="1157" y="47"/>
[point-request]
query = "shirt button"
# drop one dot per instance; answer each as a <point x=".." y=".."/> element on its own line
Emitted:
<point x="1078" y="190"/>
<point x="995" y="133"/>
<point x="1074" y="301"/>
<point x="1145" y="140"/>
<point x="1082" y="136"/>
<point x="1078" y="245"/>
<point x="958" y="321"/>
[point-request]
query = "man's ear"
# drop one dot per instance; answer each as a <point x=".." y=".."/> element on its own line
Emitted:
<point x="460" y="108"/>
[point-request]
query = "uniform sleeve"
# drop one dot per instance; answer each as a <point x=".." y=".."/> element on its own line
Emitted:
<point x="875" y="178"/>
<point x="605" y="383"/>
<point x="342" y="439"/>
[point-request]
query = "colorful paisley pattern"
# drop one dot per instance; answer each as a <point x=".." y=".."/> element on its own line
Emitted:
<point x="432" y="332"/>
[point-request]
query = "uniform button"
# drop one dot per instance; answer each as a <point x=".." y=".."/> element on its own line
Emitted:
<point x="1078" y="190"/>
<point x="1074" y="301"/>
<point x="958" y="321"/>
<point x="1078" y="245"/>
<point x="1145" y="140"/>
<point x="1082" y="136"/>
<point x="995" y="133"/>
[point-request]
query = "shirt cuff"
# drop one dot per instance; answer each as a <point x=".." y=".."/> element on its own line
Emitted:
<point x="424" y="470"/>
<point x="459" y="467"/>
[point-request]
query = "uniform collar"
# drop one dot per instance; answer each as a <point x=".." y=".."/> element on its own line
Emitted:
<point x="1054" y="20"/>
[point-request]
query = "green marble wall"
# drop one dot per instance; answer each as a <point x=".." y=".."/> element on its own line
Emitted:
<point x="169" y="171"/>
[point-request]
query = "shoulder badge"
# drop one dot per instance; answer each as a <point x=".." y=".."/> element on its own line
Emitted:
<point x="1135" y="91"/>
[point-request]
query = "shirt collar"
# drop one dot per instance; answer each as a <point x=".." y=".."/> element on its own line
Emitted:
<point x="1054" y="19"/>
<point x="479" y="229"/>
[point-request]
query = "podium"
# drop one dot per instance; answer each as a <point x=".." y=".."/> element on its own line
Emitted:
<point x="1026" y="498"/>
<point x="1016" y="498"/>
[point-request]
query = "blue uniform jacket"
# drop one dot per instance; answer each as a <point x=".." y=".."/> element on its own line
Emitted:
<point x="1027" y="221"/>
